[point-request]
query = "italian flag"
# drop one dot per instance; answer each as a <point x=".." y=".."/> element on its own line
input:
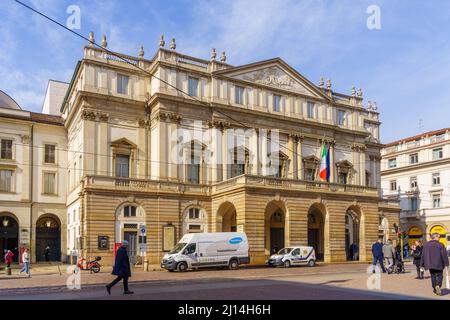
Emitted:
<point x="325" y="164"/>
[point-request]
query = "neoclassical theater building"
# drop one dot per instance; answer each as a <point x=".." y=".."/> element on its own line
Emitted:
<point x="162" y="146"/>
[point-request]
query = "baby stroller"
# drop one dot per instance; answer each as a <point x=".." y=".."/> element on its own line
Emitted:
<point x="399" y="265"/>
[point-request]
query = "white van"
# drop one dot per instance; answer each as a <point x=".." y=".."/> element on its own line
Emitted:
<point x="198" y="250"/>
<point x="293" y="256"/>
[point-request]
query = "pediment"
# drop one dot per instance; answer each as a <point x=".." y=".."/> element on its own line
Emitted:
<point x="276" y="74"/>
<point x="123" y="143"/>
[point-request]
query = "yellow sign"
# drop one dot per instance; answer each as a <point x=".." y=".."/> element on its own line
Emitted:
<point x="442" y="231"/>
<point x="414" y="234"/>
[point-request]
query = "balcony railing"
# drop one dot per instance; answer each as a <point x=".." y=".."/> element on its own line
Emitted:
<point x="142" y="185"/>
<point x="409" y="214"/>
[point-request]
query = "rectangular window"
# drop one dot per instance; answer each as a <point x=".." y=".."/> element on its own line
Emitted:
<point x="310" y="110"/>
<point x="194" y="170"/>
<point x="393" y="185"/>
<point x="392" y="163"/>
<point x="413" y="158"/>
<point x="438" y="154"/>
<point x="122" y="84"/>
<point x="193" y="86"/>
<point x="341" y="117"/>
<point x="122" y="166"/>
<point x="6" y="149"/>
<point x="310" y="174"/>
<point x="276" y="103"/>
<point x="49" y="153"/>
<point x="49" y="182"/>
<point x="129" y="211"/>
<point x="194" y="213"/>
<point x="413" y="182"/>
<point x="436" y="200"/>
<point x="413" y="203"/>
<point x="6" y="180"/>
<point x="436" y="180"/>
<point x="239" y="95"/>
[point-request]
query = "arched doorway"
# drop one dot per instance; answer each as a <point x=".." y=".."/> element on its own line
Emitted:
<point x="352" y="223"/>
<point x="227" y="218"/>
<point x="48" y="234"/>
<point x="442" y="231"/>
<point x="130" y="219"/>
<point x="9" y="235"/>
<point x="414" y="233"/>
<point x="316" y="226"/>
<point x="274" y="227"/>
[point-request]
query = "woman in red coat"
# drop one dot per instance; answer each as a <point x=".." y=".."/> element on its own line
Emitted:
<point x="9" y="258"/>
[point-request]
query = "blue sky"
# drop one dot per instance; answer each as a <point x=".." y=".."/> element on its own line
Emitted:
<point x="404" y="66"/>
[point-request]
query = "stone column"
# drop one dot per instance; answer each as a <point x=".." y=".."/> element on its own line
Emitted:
<point x="299" y="170"/>
<point x="216" y="157"/>
<point x="292" y="157"/>
<point x="263" y="157"/>
<point x="362" y="159"/>
<point x="332" y="164"/>
<point x="254" y="148"/>
<point x="356" y="166"/>
<point x="89" y="164"/>
<point x="172" y="151"/>
<point x="225" y="152"/>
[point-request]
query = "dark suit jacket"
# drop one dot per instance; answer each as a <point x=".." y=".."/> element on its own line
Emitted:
<point x="434" y="256"/>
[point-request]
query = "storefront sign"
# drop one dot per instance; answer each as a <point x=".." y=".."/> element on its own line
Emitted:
<point x="442" y="231"/>
<point x="168" y="237"/>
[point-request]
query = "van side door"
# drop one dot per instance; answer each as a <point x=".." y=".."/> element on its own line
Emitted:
<point x="190" y="252"/>
<point x="296" y="256"/>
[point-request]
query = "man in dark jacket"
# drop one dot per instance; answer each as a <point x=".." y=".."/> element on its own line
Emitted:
<point x="121" y="269"/>
<point x="435" y="259"/>
<point x="377" y="251"/>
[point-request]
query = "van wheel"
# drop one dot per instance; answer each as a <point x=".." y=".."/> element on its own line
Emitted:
<point x="287" y="264"/>
<point x="182" y="266"/>
<point x="234" y="264"/>
<point x="311" y="263"/>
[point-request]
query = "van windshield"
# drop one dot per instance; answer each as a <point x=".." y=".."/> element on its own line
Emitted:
<point x="285" y="251"/>
<point x="178" y="248"/>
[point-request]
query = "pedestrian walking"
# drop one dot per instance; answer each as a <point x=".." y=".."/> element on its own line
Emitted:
<point x="355" y="251"/>
<point x="389" y="254"/>
<point x="47" y="253"/>
<point x="435" y="259"/>
<point x="26" y="262"/>
<point x="350" y="252"/>
<point x="9" y="258"/>
<point x="377" y="252"/>
<point x="417" y="256"/>
<point x="121" y="269"/>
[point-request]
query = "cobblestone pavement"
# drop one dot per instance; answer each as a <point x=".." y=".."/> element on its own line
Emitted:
<point x="331" y="281"/>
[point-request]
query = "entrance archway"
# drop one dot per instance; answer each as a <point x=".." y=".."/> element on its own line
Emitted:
<point x="274" y="227"/>
<point x="227" y="217"/>
<point x="442" y="231"/>
<point x="48" y="234"/>
<point x="414" y="233"/>
<point x="316" y="228"/>
<point x="352" y="234"/>
<point x="9" y="235"/>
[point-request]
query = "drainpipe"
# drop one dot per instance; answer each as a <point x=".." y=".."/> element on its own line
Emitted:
<point x="31" y="187"/>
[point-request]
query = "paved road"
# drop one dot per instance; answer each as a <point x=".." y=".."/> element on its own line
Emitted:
<point x="327" y="282"/>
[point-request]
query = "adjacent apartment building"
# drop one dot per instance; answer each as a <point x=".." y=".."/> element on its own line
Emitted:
<point x="416" y="171"/>
<point x="173" y="144"/>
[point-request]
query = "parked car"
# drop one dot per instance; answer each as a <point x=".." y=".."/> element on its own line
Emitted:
<point x="293" y="256"/>
<point x="199" y="250"/>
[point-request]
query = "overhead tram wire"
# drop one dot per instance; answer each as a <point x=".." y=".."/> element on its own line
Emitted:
<point x="146" y="72"/>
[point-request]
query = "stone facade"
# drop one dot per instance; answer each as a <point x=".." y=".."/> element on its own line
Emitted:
<point x="202" y="145"/>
